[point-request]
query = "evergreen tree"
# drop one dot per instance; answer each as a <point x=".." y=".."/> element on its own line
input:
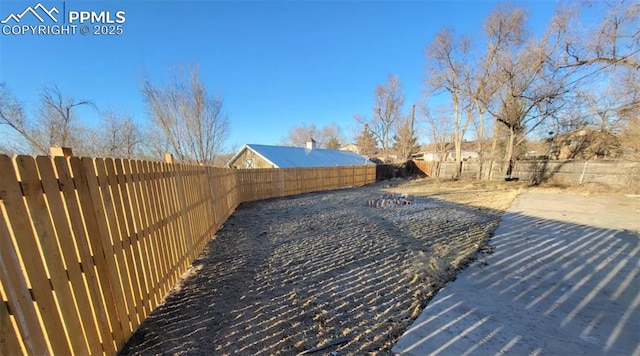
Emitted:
<point x="405" y="141"/>
<point x="366" y="142"/>
<point x="333" y="143"/>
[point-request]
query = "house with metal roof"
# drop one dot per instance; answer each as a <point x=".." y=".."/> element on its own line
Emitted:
<point x="264" y="156"/>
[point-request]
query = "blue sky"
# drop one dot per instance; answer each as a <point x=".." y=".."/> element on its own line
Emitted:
<point x="277" y="64"/>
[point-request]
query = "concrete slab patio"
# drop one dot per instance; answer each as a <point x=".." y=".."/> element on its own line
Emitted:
<point x="563" y="278"/>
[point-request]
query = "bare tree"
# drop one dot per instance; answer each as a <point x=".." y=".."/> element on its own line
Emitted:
<point x="185" y="117"/>
<point x="610" y="49"/>
<point x="299" y="135"/>
<point x="534" y="90"/>
<point x="56" y="123"/>
<point x="328" y="136"/>
<point x="388" y="102"/>
<point x="331" y="136"/>
<point x="118" y="135"/>
<point x="504" y="27"/>
<point x="440" y="132"/>
<point x="607" y="53"/>
<point x="224" y="158"/>
<point x="598" y="108"/>
<point x="630" y="138"/>
<point x="12" y="116"/>
<point x="629" y="115"/>
<point x="447" y="58"/>
<point x="614" y="42"/>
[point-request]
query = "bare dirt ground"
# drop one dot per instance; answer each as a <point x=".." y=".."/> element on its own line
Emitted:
<point x="290" y="275"/>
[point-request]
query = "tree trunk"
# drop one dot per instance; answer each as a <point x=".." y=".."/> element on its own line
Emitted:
<point x="457" y="138"/>
<point x="510" y="148"/>
<point x="494" y="146"/>
<point x="480" y="142"/>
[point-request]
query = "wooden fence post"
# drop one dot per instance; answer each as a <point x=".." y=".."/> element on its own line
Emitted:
<point x="632" y="175"/>
<point x="584" y="171"/>
<point x="168" y="157"/>
<point x="65" y="152"/>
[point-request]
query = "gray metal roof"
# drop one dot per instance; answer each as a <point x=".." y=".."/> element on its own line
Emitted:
<point x="290" y="157"/>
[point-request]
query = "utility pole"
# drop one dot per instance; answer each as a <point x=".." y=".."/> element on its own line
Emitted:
<point x="413" y="118"/>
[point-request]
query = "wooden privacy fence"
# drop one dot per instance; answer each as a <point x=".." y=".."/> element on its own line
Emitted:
<point x="423" y="166"/>
<point x="89" y="247"/>
<point x="256" y="184"/>
<point x="619" y="174"/>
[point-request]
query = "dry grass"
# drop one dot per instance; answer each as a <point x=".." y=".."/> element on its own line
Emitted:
<point x="496" y="195"/>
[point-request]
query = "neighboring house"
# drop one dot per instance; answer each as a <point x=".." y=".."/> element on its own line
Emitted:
<point x="350" y="147"/>
<point x="449" y="154"/>
<point x="465" y="154"/>
<point x="586" y="144"/>
<point x="264" y="156"/>
<point x="428" y="156"/>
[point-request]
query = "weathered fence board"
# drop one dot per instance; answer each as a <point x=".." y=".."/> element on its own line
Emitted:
<point x="10" y="344"/>
<point x="89" y="247"/>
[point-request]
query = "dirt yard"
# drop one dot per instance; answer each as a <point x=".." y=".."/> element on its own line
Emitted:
<point x="290" y="275"/>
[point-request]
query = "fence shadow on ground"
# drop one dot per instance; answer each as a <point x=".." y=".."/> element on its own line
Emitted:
<point x="292" y="274"/>
<point x="550" y="287"/>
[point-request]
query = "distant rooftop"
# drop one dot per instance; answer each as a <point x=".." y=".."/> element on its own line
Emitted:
<point x="291" y="157"/>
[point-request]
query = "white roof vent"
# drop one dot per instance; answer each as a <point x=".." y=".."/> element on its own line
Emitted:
<point x="311" y="144"/>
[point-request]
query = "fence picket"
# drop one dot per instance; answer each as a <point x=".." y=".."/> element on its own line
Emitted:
<point x="69" y="253"/>
<point x="91" y="208"/>
<point x="162" y="247"/>
<point x="9" y="342"/>
<point x="113" y="247"/>
<point x="86" y="261"/>
<point x="152" y="235"/>
<point x="119" y="235"/>
<point x="173" y="235"/>
<point x="141" y="227"/>
<point x="151" y="201"/>
<point x="32" y="261"/>
<point x="103" y="245"/>
<point x="51" y="253"/>
<point x="55" y="247"/>
<point x="16" y="291"/>
<point x="117" y="182"/>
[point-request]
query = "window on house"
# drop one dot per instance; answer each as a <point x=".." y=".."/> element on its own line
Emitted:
<point x="249" y="163"/>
